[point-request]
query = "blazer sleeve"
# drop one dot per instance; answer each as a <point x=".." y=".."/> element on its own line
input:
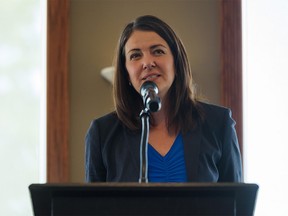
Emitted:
<point x="95" y="170"/>
<point x="230" y="164"/>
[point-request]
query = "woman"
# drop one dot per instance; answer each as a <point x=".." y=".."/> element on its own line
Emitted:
<point x="189" y="141"/>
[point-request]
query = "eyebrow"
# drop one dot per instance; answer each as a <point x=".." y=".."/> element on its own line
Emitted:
<point x="151" y="47"/>
<point x="157" y="45"/>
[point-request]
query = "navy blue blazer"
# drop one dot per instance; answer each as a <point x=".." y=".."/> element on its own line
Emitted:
<point x="211" y="150"/>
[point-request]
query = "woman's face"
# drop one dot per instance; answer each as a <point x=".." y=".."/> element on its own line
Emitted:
<point x="148" y="57"/>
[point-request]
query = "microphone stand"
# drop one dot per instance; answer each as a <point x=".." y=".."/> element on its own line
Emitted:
<point x="144" y="115"/>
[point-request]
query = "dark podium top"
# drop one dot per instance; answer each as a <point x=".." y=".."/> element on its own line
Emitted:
<point x="143" y="199"/>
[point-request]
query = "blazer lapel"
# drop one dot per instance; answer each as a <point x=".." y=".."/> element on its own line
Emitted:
<point x="192" y="141"/>
<point x="133" y="140"/>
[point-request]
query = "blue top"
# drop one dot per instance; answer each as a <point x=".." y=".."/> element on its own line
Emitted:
<point x="168" y="168"/>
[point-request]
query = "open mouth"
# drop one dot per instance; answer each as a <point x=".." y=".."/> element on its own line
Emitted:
<point x="151" y="77"/>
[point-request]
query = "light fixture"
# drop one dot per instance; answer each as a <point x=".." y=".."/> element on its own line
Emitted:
<point x="108" y="74"/>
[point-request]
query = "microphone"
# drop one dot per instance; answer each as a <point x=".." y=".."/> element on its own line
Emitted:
<point x="151" y="100"/>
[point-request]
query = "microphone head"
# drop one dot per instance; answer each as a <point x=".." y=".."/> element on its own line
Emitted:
<point x="151" y="100"/>
<point x="146" y="86"/>
<point x="153" y="105"/>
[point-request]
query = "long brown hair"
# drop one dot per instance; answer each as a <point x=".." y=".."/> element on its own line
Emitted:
<point x="183" y="111"/>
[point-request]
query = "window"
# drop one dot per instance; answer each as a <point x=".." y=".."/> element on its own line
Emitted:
<point x="265" y="76"/>
<point x="22" y="102"/>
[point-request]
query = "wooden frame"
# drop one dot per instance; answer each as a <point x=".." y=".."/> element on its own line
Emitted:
<point x="231" y="62"/>
<point x="57" y="91"/>
<point x="58" y="75"/>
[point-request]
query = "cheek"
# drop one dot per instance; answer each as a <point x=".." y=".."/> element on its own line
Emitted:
<point x="133" y="76"/>
<point x="130" y="71"/>
<point x="172" y="69"/>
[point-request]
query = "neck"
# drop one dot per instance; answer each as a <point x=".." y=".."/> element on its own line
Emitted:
<point x="160" y="117"/>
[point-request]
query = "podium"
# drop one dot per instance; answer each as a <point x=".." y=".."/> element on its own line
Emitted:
<point x="143" y="199"/>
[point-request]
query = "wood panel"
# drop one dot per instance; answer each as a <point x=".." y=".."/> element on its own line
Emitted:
<point x="57" y="91"/>
<point x="231" y="61"/>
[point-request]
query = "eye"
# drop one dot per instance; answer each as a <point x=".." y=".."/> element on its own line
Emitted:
<point x="159" y="52"/>
<point x="135" y="56"/>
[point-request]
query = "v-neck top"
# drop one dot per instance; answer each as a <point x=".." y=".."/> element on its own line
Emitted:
<point x="168" y="168"/>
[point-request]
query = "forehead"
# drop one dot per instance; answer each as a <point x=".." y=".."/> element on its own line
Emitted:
<point x="144" y="39"/>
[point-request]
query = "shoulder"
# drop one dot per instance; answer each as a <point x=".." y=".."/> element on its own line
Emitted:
<point x="214" y="111"/>
<point x="216" y="116"/>
<point x="107" y="127"/>
<point x="107" y="119"/>
<point x="104" y="123"/>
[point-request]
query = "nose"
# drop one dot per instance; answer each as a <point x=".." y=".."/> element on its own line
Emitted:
<point x="148" y="63"/>
<point x="149" y="66"/>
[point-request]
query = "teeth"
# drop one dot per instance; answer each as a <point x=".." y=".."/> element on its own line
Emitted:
<point x="151" y="77"/>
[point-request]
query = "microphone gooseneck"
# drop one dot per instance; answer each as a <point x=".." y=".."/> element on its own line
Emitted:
<point x="149" y="93"/>
<point x="152" y="103"/>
